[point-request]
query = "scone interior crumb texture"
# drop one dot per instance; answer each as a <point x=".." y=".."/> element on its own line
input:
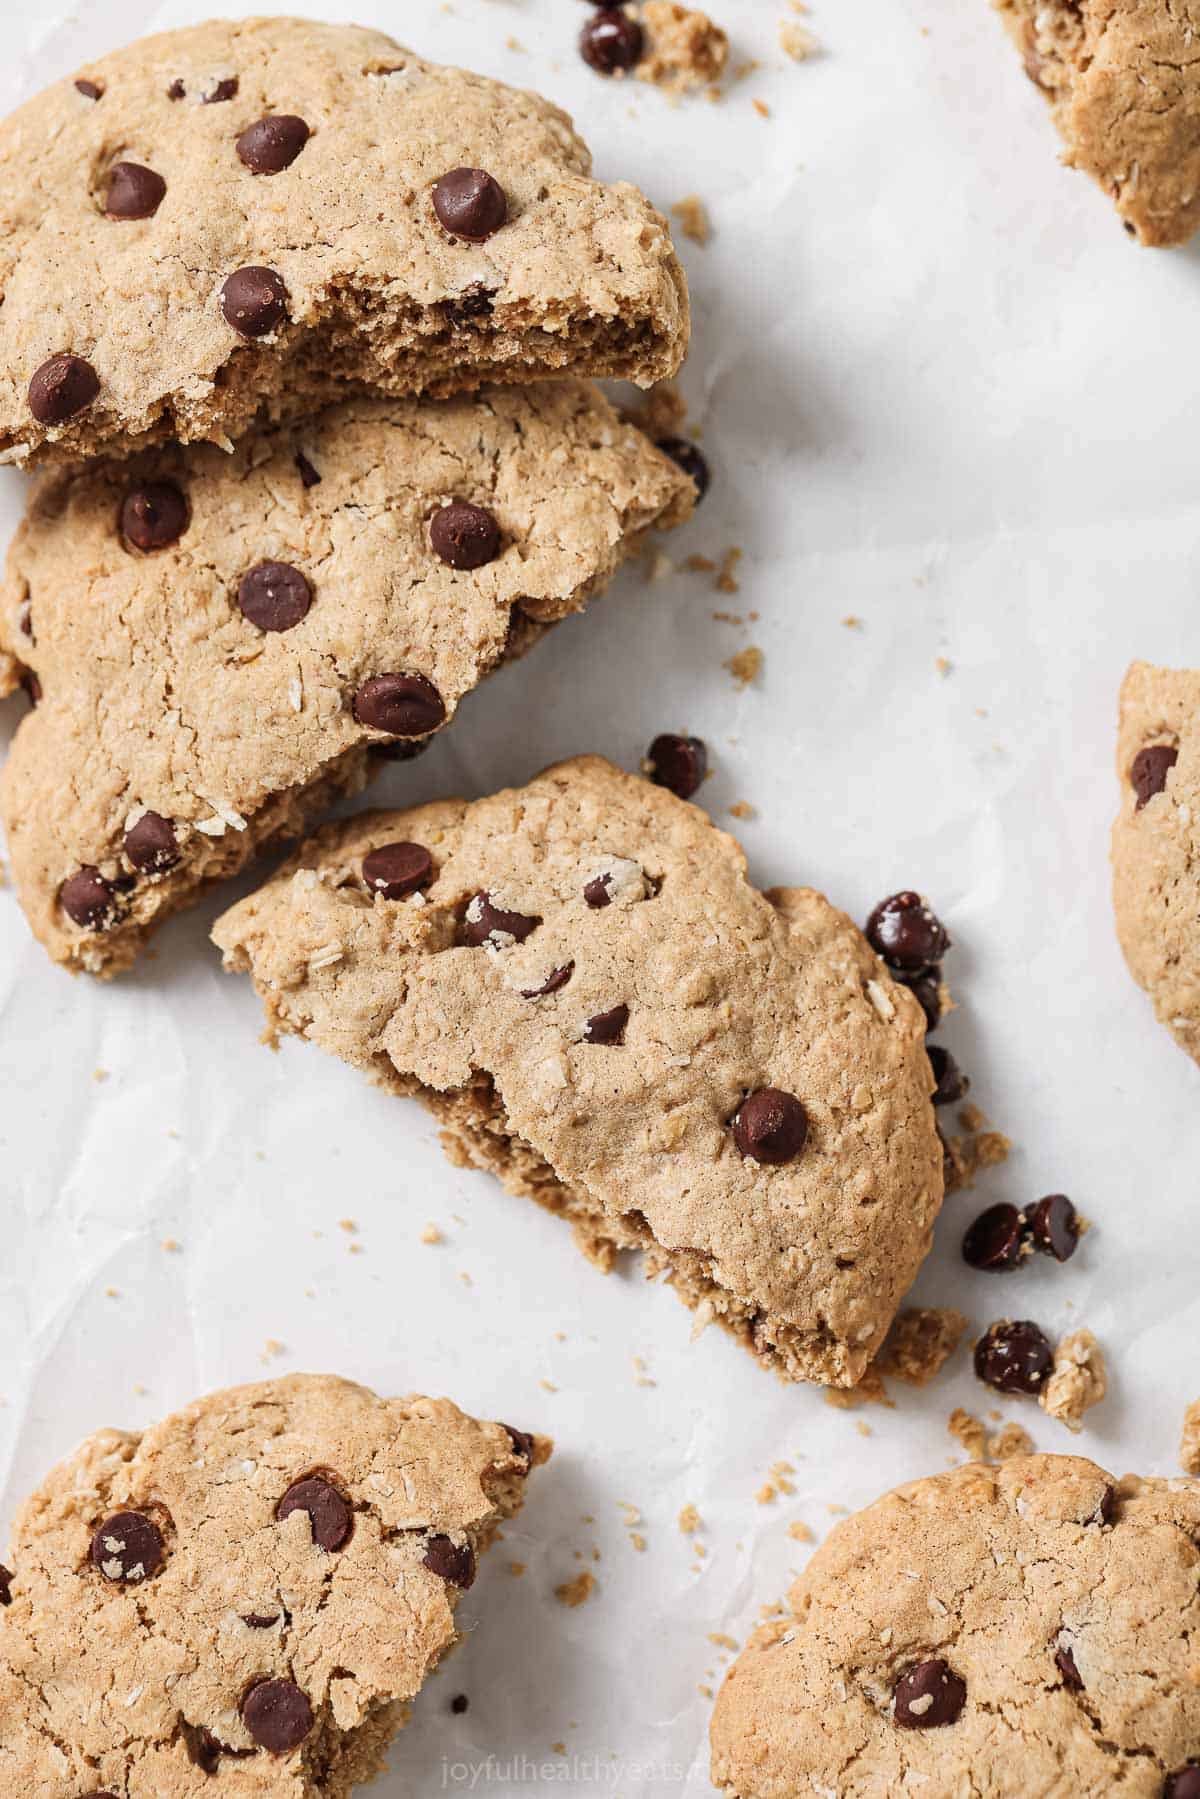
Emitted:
<point x="181" y="251"/>
<point x="1030" y="1629"/>
<point x="259" y="1585"/>
<point x="603" y="1011"/>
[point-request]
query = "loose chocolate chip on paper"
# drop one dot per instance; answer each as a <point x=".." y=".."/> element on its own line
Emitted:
<point x="1150" y="769"/>
<point x="450" y="1561"/>
<point x="928" y="1695"/>
<point x="1054" y="1227"/>
<point x="154" y="515"/>
<point x="134" y="191"/>
<point x="690" y="459"/>
<point x="677" y="763"/>
<point x="926" y="989"/>
<point x="1014" y="1356"/>
<point x="61" y="387"/>
<point x="274" y="596"/>
<point x="607" y="1027"/>
<point x="329" y="1512"/>
<point x="277" y="1715"/>
<point x="995" y="1239"/>
<point x="459" y="1704"/>
<point x="463" y="535"/>
<point x="87" y="899"/>
<point x="483" y="922"/>
<point x="558" y="977"/>
<point x="470" y="203"/>
<point x="402" y="705"/>
<point x="396" y="869"/>
<point x="611" y="41"/>
<point x="254" y="301"/>
<point x="127" y="1548"/>
<point x="770" y="1126"/>
<point x="272" y="144"/>
<point x="151" y="844"/>
<point x="906" y="933"/>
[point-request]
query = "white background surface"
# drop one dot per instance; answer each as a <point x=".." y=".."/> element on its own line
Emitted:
<point x="943" y="391"/>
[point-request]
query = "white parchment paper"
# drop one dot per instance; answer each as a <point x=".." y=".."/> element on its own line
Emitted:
<point x="942" y="392"/>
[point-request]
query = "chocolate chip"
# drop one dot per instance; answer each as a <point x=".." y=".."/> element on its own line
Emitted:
<point x="463" y="535"/>
<point x="274" y="596"/>
<point x="688" y="457"/>
<point x="89" y="89"/>
<point x="154" y="515"/>
<point x="611" y="41"/>
<point x="995" y="1239"/>
<point x="151" y="844"/>
<point x="459" y="1704"/>
<point x="596" y="892"/>
<point x="607" y="1027"/>
<point x="522" y="1442"/>
<point x="127" y="1548"/>
<point x="6" y="1575"/>
<point x="470" y="203"/>
<point x="203" y="1749"/>
<point x="134" y="191"/>
<point x="260" y="1620"/>
<point x="770" y="1126"/>
<point x="87" y="899"/>
<point x="225" y="89"/>
<point x="1064" y="1661"/>
<point x="927" y="1695"/>
<point x="473" y="303"/>
<point x="63" y="386"/>
<point x="454" y="1562"/>
<point x="950" y="1081"/>
<point x="254" y="300"/>
<point x="677" y="763"/>
<point x="329" y="1511"/>
<point x="272" y="144"/>
<point x="176" y="91"/>
<point x="1150" y="769"/>
<point x="277" y="1715"/>
<point x="308" y="474"/>
<point x="1184" y="1783"/>
<point x="904" y="931"/>
<point x="1054" y="1227"/>
<point x="558" y="977"/>
<point x="402" y="705"/>
<point x="485" y="923"/>
<point x="1014" y="1356"/>
<point x="395" y="869"/>
<point x="926" y="989"/>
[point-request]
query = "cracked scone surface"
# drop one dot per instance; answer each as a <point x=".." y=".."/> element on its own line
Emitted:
<point x="1064" y="1606"/>
<point x="1156" y="845"/>
<point x="594" y="1055"/>
<point x="159" y="694"/>
<point x="1123" y="81"/>
<point x="580" y="278"/>
<point x="132" y="1679"/>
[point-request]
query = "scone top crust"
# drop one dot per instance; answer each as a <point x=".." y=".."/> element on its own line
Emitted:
<point x="166" y="685"/>
<point x="1061" y="1610"/>
<point x="623" y="1037"/>
<point x="1156" y="842"/>
<point x="581" y="276"/>
<point x="121" y="1676"/>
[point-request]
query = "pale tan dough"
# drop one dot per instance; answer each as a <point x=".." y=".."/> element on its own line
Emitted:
<point x="728" y="990"/>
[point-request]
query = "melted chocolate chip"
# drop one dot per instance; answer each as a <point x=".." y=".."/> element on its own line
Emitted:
<point x="308" y="474"/>
<point x="203" y="1749"/>
<point x="485" y="923"/>
<point x="908" y="936"/>
<point x="272" y="144"/>
<point x="770" y="1126"/>
<point x="1184" y="1783"/>
<point x="521" y="1441"/>
<point x="395" y="869"/>
<point x="254" y="301"/>
<point x="127" y="1548"/>
<point x="154" y="515"/>
<point x="611" y="42"/>
<point x="329" y="1511"/>
<point x="1064" y="1661"/>
<point x="470" y="203"/>
<point x="277" y="1715"/>
<point x="134" y="191"/>
<point x="450" y="1561"/>
<point x="463" y="535"/>
<point x="274" y="596"/>
<point x="558" y="977"/>
<point x="928" y="1695"/>
<point x="677" y="763"/>
<point x="688" y="457"/>
<point x="87" y="899"/>
<point x="950" y="1081"/>
<point x="151" y="844"/>
<point x="996" y="1238"/>
<point x="401" y="705"/>
<point x="1150" y="769"/>
<point x="1054" y="1227"/>
<point x="1014" y="1356"/>
<point x="63" y="386"/>
<point x="607" y="1027"/>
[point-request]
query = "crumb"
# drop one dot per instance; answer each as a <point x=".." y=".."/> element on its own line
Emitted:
<point x="796" y="41"/>
<point x="743" y="809"/>
<point x="761" y="108"/>
<point x="514" y="44"/>
<point x="980" y="1148"/>
<point x="746" y="666"/>
<point x="838" y="1511"/>
<point x="704" y="1692"/>
<point x="1078" y="1382"/>
<point x="140" y="1390"/>
<point x="700" y="565"/>
<point x="685" y="50"/>
<point x="547" y="1386"/>
<point x="356" y="1249"/>
<point x="689" y="1520"/>
<point x="694" y="221"/>
<point x="640" y="1376"/>
<point x="171" y="1245"/>
<point x="728" y="618"/>
<point x="800" y="1532"/>
<point x="559" y="1748"/>
<point x="578" y="1591"/>
<point x="726" y="581"/>
<point x="431" y="1234"/>
<point x="1189" y="1442"/>
<point x="862" y="1427"/>
<point x="1011" y="1441"/>
<point x="767" y="1494"/>
<point x="943" y="665"/>
<point x="112" y="1293"/>
<point x="721" y="1641"/>
<point x="348" y="1225"/>
<point x="852" y="622"/>
<point x="100" y="1075"/>
<point x="969" y="1432"/>
<point x="920" y="1342"/>
<point x="656" y="564"/>
<point x="516" y="1569"/>
<point x="638" y="1540"/>
<point x="272" y="1347"/>
<point x="869" y="1391"/>
<point x="465" y="1278"/>
<point x="662" y="411"/>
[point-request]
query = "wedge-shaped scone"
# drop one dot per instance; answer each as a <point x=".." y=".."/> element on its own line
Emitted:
<point x="247" y="217"/>
<point x="245" y="1599"/>
<point x="299" y="619"/>
<point x="1123" y="84"/>
<point x="1020" y="1632"/>
<point x="1156" y="842"/>
<point x="579" y="980"/>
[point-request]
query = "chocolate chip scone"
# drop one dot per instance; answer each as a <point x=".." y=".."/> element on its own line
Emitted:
<point x="1123" y="83"/>
<point x="255" y="1590"/>
<point x="581" y="983"/>
<point x="1156" y="842"/>
<point x="220" y="645"/>
<point x="247" y="217"/>
<point x="1022" y="1632"/>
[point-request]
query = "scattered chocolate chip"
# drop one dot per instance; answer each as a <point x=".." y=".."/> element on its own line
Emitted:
<point x="459" y="1704"/>
<point x="151" y="844"/>
<point x="127" y="1548"/>
<point x="677" y="763"/>
<point x="402" y="705"/>
<point x="689" y="458"/>
<point x="134" y="192"/>
<point x="395" y="869"/>
<point x="203" y="1749"/>
<point x="1054" y="1227"/>
<point x="611" y="41"/>
<point x="274" y="596"/>
<point x="470" y="203"/>
<point x="329" y="1511"/>
<point x="87" y="899"/>
<point x="463" y="535"/>
<point x="607" y="1027"/>
<point x="483" y="922"/>
<point x="521" y="1441"/>
<point x="225" y="89"/>
<point x="260" y="1620"/>
<point x="927" y="1695"/>
<point x="770" y="1126"/>
<point x="1184" y="1783"/>
<point x="473" y="303"/>
<point x="454" y="1562"/>
<point x="926" y="989"/>
<point x="63" y="386"/>
<point x="154" y="515"/>
<point x="6" y="1575"/>
<point x="951" y="1082"/>
<point x="254" y="301"/>
<point x="558" y="977"/>
<point x="89" y="89"/>
<point x="908" y="936"/>
<point x="1014" y="1356"/>
<point x="308" y="474"/>
<point x="277" y="1715"/>
<point x="1064" y="1661"/>
<point x="995" y="1239"/>
<point x="1150" y="769"/>
<point x="272" y="144"/>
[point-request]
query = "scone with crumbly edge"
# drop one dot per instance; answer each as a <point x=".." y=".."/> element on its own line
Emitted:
<point x="1123" y="83"/>
<point x="1017" y="1632"/>
<point x="246" y="1598"/>
<point x="291" y="618"/>
<point x="1156" y="843"/>
<point x="247" y="217"/>
<point x="589" y="994"/>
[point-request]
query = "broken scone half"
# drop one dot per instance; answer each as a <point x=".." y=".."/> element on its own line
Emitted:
<point x="580" y="982"/>
<point x="246" y="218"/>
<point x="253" y="1590"/>
<point x="219" y="646"/>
